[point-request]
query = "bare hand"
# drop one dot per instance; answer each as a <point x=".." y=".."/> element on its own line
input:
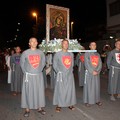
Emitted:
<point x="95" y="73"/>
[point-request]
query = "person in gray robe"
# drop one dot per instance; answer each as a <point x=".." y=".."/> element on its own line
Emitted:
<point x="93" y="66"/>
<point x="16" y="72"/>
<point x="64" y="91"/>
<point x="33" y="91"/>
<point x="113" y="63"/>
<point x="49" y="62"/>
<point x="45" y="77"/>
<point x="53" y="78"/>
<point x="81" y="68"/>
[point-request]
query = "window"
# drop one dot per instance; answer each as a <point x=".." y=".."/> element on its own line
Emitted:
<point x="114" y="8"/>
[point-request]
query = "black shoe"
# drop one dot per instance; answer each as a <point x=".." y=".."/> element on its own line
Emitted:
<point x="26" y="114"/>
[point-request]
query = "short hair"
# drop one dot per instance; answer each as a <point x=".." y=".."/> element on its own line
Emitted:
<point x="17" y="47"/>
<point x="65" y="40"/>
<point x="32" y="38"/>
<point x="117" y="41"/>
<point x="92" y="42"/>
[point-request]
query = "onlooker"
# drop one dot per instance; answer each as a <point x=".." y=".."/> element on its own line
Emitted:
<point x="12" y="51"/>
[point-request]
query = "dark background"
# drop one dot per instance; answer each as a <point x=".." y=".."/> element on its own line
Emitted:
<point x="86" y="15"/>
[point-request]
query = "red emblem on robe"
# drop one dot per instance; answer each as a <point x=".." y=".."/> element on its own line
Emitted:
<point x="67" y="61"/>
<point x="34" y="60"/>
<point x="82" y="58"/>
<point x="117" y="55"/>
<point x="94" y="60"/>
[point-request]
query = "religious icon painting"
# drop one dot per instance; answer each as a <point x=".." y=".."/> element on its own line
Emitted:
<point x="57" y="22"/>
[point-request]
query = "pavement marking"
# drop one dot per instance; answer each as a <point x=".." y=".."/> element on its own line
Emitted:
<point x="85" y="114"/>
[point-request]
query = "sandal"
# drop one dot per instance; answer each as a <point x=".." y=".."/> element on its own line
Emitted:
<point x="58" y="109"/>
<point x="99" y="103"/>
<point x="87" y="105"/>
<point x="71" y="107"/>
<point x="26" y="114"/>
<point x="42" y="112"/>
<point x="14" y="94"/>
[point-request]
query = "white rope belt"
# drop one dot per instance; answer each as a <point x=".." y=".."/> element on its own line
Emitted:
<point x="59" y="76"/>
<point x="80" y="66"/>
<point x="86" y="71"/>
<point x="26" y="75"/>
<point x="114" y="67"/>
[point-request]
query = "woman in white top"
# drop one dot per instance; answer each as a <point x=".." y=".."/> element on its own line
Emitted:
<point x="7" y="58"/>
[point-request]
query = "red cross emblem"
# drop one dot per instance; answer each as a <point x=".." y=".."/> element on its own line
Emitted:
<point x="94" y="60"/>
<point x="117" y="55"/>
<point x="34" y="60"/>
<point x="82" y="58"/>
<point x="67" y="60"/>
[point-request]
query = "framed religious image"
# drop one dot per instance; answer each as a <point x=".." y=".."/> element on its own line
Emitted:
<point x="57" y="22"/>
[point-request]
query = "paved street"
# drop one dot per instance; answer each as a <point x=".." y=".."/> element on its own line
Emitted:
<point x="10" y="105"/>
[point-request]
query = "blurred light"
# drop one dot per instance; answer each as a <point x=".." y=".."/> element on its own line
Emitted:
<point x="106" y="45"/>
<point x="111" y="37"/>
<point x="72" y="23"/>
<point x="72" y="29"/>
<point x="34" y="14"/>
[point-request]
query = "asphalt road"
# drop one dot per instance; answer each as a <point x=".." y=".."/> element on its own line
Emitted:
<point x="10" y="105"/>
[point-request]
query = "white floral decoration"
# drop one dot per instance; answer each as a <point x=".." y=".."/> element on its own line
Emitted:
<point x="55" y="45"/>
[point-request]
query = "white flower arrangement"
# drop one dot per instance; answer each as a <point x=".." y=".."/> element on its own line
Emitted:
<point x="55" y="45"/>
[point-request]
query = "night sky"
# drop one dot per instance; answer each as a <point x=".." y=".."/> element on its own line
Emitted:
<point x="84" y="13"/>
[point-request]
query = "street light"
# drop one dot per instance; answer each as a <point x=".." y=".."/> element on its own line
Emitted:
<point x="35" y="15"/>
<point x="72" y="29"/>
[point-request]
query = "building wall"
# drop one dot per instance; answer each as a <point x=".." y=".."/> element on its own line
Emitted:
<point x="113" y="20"/>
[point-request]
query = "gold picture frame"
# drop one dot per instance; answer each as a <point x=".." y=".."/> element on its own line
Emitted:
<point x="57" y="22"/>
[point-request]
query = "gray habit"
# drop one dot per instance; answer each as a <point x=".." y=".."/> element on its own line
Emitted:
<point x="32" y="63"/>
<point x="64" y="92"/>
<point x="16" y="73"/>
<point x="81" y="68"/>
<point x="53" y="75"/>
<point x="113" y="63"/>
<point x="91" y="90"/>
